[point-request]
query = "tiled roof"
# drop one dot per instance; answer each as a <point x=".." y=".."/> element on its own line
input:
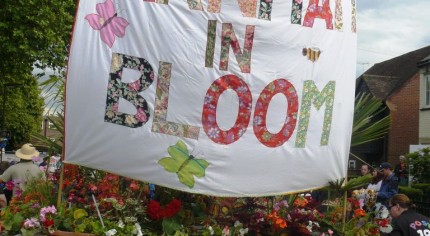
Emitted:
<point x="382" y="79"/>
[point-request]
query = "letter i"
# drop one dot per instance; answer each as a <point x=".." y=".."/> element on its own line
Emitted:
<point x="210" y="44"/>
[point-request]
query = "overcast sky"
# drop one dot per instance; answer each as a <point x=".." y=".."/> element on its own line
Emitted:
<point x="390" y="28"/>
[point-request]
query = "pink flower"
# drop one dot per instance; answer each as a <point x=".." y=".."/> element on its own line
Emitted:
<point x="31" y="223"/>
<point x="44" y="212"/>
<point x="226" y="231"/>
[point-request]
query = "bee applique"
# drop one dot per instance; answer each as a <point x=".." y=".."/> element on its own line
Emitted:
<point x="312" y="53"/>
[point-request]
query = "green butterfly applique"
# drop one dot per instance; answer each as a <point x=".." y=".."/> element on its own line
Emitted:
<point x="183" y="164"/>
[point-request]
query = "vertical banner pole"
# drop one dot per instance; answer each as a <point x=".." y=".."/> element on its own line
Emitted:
<point x="60" y="185"/>
<point x="345" y="196"/>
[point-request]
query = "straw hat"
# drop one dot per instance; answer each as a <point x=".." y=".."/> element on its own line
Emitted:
<point x="27" y="152"/>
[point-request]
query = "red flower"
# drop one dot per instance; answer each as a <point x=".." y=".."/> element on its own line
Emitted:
<point x="374" y="231"/>
<point x="172" y="208"/>
<point x="48" y="222"/>
<point x="359" y="213"/>
<point x="384" y="222"/>
<point x="10" y="185"/>
<point x="154" y="210"/>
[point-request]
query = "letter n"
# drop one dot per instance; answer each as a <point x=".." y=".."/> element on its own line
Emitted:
<point x="229" y="38"/>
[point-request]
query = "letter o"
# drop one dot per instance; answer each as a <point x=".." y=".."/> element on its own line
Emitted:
<point x="260" y="128"/>
<point x="209" y="122"/>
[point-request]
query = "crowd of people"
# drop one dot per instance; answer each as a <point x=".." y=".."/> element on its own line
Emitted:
<point x="386" y="179"/>
<point x="385" y="182"/>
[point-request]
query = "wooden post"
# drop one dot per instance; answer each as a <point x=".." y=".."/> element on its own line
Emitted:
<point x="60" y="184"/>
<point x="345" y="198"/>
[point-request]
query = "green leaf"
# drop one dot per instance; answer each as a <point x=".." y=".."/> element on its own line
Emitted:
<point x="369" y="123"/>
<point x="171" y="225"/>
<point x="79" y="213"/>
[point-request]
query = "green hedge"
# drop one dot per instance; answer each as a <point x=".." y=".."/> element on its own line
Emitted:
<point x="424" y="187"/>
<point x="412" y="193"/>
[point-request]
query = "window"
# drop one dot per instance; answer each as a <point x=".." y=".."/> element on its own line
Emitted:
<point x="427" y="91"/>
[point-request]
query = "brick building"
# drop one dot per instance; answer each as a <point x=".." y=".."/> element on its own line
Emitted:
<point x="397" y="82"/>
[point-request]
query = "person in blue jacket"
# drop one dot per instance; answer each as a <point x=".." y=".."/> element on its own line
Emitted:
<point x="389" y="186"/>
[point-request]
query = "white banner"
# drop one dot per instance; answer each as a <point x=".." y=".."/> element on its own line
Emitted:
<point x="225" y="98"/>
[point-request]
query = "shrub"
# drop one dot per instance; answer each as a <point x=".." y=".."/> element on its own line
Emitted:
<point x="412" y="193"/>
<point x="425" y="187"/>
<point x="420" y="164"/>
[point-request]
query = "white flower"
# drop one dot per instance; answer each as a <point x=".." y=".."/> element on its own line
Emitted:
<point x="237" y="223"/>
<point x="384" y="213"/>
<point x="211" y="230"/>
<point x="387" y="229"/>
<point x="121" y="224"/>
<point x="137" y="229"/>
<point x="243" y="231"/>
<point x="111" y="232"/>
<point x="309" y="226"/>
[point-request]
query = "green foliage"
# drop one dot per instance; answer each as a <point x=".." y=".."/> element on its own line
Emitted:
<point x="412" y="193"/>
<point x="367" y="126"/>
<point x="42" y="191"/>
<point x="13" y="222"/>
<point x="22" y="108"/>
<point x="340" y="186"/>
<point x="420" y="165"/>
<point x="171" y="225"/>
<point x="425" y="187"/>
<point x="33" y="34"/>
<point x="55" y="146"/>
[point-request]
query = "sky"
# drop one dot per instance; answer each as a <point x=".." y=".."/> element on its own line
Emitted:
<point x="390" y="28"/>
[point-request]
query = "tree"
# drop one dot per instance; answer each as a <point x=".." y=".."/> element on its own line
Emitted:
<point x="33" y="35"/>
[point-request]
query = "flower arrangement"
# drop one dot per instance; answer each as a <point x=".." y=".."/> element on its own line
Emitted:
<point x="105" y="204"/>
<point x="47" y="217"/>
<point x="364" y="217"/>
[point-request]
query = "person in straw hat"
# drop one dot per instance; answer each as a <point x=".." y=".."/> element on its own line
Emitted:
<point x="24" y="170"/>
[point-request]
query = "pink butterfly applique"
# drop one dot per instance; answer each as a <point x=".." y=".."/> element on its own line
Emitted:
<point x="107" y="22"/>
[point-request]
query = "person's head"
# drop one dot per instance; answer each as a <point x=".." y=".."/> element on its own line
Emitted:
<point x="377" y="175"/>
<point x="402" y="159"/>
<point x="27" y="152"/>
<point x="398" y="204"/>
<point x="375" y="172"/>
<point x="386" y="169"/>
<point x="364" y="169"/>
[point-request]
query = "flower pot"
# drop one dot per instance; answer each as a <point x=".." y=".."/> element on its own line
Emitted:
<point x="65" y="233"/>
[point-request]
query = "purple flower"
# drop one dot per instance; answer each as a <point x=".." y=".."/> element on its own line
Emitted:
<point x="31" y="223"/>
<point x="46" y="210"/>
